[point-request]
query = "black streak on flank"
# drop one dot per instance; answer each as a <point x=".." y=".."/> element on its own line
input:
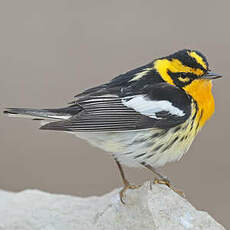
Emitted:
<point x="140" y="141"/>
<point x="177" y="129"/>
<point x="201" y="114"/>
<point x="185" y="127"/>
<point x="140" y="155"/>
<point x="170" y="144"/>
<point x="128" y="153"/>
<point x="164" y="132"/>
<point x="198" y="123"/>
<point x="175" y="139"/>
<point x="149" y="156"/>
<point x="155" y="135"/>
<point x="150" y="144"/>
<point x="194" y="116"/>
<point x="192" y="126"/>
<point x="184" y="138"/>
<point x="158" y="147"/>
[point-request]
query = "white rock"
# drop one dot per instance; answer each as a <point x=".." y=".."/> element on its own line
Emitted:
<point x="145" y="209"/>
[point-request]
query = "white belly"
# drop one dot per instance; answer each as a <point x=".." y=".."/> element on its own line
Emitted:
<point x="132" y="148"/>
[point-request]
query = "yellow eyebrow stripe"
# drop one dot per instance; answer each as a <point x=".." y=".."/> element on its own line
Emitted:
<point x="198" y="58"/>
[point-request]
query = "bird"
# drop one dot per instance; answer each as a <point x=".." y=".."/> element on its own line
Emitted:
<point x="146" y="117"/>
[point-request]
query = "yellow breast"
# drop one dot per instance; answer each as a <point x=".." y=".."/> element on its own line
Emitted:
<point x="201" y="92"/>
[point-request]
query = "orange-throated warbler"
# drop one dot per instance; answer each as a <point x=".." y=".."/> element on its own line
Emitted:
<point x="146" y="117"/>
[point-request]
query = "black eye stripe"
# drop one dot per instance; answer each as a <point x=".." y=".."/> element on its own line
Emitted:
<point x="177" y="82"/>
<point x="182" y="74"/>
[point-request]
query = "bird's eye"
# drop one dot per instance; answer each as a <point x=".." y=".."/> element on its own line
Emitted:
<point x="183" y="77"/>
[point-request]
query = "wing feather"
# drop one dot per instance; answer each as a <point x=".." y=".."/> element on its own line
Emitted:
<point x="159" y="106"/>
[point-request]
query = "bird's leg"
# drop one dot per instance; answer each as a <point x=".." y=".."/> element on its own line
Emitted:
<point x="127" y="185"/>
<point x="163" y="180"/>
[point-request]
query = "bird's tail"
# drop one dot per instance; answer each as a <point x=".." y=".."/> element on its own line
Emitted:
<point x="43" y="114"/>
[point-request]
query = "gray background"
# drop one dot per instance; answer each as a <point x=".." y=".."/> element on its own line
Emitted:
<point x="50" y="50"/>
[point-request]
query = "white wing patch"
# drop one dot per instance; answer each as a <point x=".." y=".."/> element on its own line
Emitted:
<point x="149" y="108"/>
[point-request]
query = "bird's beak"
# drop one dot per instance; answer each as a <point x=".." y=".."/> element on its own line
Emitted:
<point x="211" y="76"/>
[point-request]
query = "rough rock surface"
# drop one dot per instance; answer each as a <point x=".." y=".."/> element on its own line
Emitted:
<point x="159" y="208"/>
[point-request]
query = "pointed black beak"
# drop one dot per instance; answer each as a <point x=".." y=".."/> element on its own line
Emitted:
<point x="211" y="76"/>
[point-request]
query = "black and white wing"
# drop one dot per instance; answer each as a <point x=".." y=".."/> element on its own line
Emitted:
<point x="155" y="106"/>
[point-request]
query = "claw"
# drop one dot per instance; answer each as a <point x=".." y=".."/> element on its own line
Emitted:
<point x="126" y="187"/>
<point x="167" y="182"/>
<point x="162" y="181"/>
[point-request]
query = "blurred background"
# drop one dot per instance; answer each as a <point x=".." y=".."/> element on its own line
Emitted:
<point x="50" y="50"/>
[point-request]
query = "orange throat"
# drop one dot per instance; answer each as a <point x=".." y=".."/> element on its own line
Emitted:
<point x="201" y="92"/>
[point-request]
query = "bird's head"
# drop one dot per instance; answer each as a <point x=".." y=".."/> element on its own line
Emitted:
<point x="183" y="67"/>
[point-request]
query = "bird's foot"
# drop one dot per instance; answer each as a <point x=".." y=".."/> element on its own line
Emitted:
<point x="165" y="181"/>
<point x="125" y="188"/>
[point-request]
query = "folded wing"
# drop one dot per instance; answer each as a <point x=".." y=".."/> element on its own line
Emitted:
<point x="155" y="106"/>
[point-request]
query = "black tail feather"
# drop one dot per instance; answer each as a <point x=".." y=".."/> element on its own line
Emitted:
<point x="61" y="113"/>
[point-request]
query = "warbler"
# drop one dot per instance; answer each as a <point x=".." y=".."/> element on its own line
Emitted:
<point x="144" y="118"/>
